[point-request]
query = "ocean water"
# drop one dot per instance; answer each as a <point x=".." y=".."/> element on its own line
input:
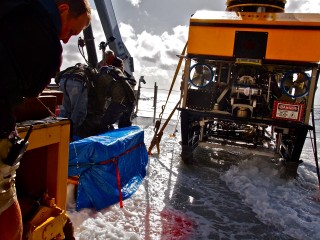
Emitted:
<point x="226" y="194"/>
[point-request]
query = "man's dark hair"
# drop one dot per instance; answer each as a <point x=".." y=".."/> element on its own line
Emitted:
<point x="77" y="7"/>
<point x="109" y="53"/>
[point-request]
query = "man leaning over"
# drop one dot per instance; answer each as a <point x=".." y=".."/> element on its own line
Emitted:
<point x="30" y="55"/>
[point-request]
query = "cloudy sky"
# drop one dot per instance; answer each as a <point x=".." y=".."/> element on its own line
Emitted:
<point x="154" y="32"/>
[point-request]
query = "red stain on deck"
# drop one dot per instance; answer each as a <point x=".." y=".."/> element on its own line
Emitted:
<point x="176" y="225"/>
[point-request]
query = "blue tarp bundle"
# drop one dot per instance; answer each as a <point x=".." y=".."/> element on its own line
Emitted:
<point x="110" y="166"/>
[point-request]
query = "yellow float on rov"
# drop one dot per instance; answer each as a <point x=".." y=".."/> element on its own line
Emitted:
<point x="278" y="36"/>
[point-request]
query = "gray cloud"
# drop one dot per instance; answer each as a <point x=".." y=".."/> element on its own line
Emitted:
<point x="135" y="3"/>
<point x="303" y="6"/>
<point x="150" y="59"/>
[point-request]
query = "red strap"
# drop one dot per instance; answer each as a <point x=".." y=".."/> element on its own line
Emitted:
<point x="122" y="154"/>
<point x="115" y="161"/>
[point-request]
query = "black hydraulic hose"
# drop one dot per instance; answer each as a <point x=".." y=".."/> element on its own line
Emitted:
<point x="315" y="151"/>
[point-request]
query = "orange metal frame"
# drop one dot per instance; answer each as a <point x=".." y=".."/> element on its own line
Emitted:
<point x="49" y="150"/>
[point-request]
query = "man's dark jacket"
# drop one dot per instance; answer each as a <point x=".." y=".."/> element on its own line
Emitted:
<point x="108" y="84"/>
<point x="117" y="62"/>
<point x="30" y="53"/>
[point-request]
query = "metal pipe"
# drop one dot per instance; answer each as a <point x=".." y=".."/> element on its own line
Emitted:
<point x="91" y="49"/>
<point x="155" y="101"/>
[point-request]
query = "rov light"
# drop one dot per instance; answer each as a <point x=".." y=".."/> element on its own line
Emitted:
<point x="295" y="84"/>
<point x="201" y="75"/>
